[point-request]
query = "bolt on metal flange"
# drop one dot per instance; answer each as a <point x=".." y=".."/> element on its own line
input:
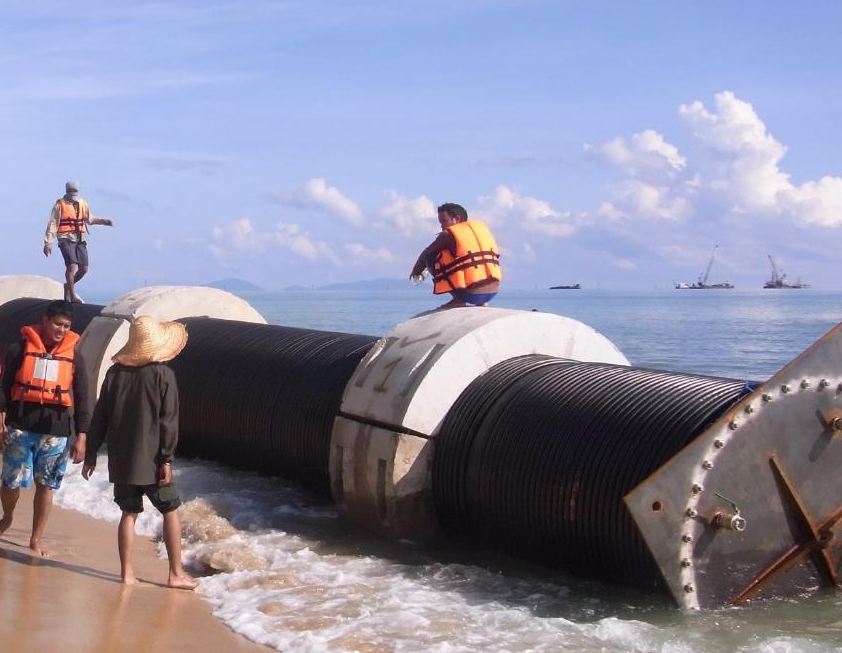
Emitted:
<point x="687" y="538"/>
<point x="686" y="562"/>
<point x="768" y="397"/>
<point x="707" y="465"/>
<point x="718" y="444"/>
<point x="691" y="512"/>
<point x="785" y="388"/>
<point x="697" y="489"/>
<point x="749" y="409"/>
<point x="729" y="521"/>
<point x="823" y="384"/>
<point x="688" y="588"/>
<point x="805" y="384"/>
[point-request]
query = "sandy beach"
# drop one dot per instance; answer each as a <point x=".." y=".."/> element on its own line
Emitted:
<point x="74" y="600"/>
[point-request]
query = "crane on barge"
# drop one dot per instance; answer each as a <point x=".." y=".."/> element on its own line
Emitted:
<point x="702" y="283"/>
<point x="778" y="279"/>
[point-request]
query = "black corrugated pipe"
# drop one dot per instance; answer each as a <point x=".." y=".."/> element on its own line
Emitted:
<point x="18" y="313"/>
<point x="535" y="457"/>
<point x="264" y="397"/>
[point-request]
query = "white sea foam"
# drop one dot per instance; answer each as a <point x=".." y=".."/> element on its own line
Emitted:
<point x="281" y="568"/>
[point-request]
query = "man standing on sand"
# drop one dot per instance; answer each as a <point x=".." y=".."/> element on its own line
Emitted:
<point x="69" y="222"/>
<point x="43" y="397"/>
<point x="137" y="416"/>
<point x="464" y="259"/>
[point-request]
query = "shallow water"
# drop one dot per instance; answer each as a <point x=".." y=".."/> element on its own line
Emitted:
<point x="284" y="570"/>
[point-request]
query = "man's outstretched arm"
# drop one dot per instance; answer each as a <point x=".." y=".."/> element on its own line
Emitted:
<point x="108" y="222"/>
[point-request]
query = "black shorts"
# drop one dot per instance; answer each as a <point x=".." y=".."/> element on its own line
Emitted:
<point x="74" y="253"/>
<point x="130" y="497"/>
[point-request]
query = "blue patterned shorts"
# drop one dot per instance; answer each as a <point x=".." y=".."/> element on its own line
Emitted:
<point x="29" y="455"/>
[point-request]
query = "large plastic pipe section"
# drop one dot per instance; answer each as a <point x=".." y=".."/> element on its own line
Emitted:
<point x="382" y="442"/>
<point x="264" y="397"/>
<point x="536" y="456"/>
<point x="108" y="332"/>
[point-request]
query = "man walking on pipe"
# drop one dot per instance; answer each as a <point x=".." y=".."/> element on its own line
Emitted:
<point x="68" y="223"/>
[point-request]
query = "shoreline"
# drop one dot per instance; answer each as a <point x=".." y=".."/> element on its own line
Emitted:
<point x="75" y="597"/>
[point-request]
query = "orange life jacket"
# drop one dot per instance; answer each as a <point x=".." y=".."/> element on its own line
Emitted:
<point x="69" y="220"/>
<point x="476" y="259"/>
<point x="45" y="377"/>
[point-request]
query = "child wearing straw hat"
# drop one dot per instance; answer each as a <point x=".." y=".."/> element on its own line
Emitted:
<point x="137" y="416"/>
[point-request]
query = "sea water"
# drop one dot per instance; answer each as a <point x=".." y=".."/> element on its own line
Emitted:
<point x="281" y="567"/>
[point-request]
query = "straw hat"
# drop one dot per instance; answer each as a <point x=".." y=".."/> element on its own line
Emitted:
<point x="151" y="342"/>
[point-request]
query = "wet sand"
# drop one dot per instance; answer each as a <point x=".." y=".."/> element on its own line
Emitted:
<point x="74" y="602"/>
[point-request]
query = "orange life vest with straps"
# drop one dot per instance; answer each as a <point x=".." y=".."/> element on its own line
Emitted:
<point x="45" y="377"/>
<point x="477" y="258"/>
<point x="69" y="220"/>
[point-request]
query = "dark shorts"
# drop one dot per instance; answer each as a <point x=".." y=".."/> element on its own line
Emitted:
<point x="74" y="253"/>
<point x="130" y="497"/>
<point x="477" y="299"/>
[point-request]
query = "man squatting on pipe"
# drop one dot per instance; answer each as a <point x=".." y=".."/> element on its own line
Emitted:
<point x="464" y="260"/>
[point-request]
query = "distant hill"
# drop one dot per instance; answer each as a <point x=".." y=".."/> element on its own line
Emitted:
<point x="370" y="284"/>
<point x="234" y="285"/>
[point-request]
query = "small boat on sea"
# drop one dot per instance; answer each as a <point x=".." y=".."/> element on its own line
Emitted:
<point x="575" y="286"/>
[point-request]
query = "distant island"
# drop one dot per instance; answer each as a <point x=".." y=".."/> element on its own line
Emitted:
<point x="234" y="285"/>
<point x="367" y="284"/>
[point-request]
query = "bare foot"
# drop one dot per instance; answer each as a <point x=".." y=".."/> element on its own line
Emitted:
<point x="182" y="581"/>
<point x="4" y="524"/>
<point x="128" y="579"/>
<point x="35" y="545"/>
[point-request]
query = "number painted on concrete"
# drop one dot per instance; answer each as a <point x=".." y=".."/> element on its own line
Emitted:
<point x="390" y="366"/>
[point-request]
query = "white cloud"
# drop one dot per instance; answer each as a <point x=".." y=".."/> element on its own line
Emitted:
<point x="650" y="201"/>
<point x="506" y="206"/>
<point x="410" y="214"/>
<point x="290" y="237"/>
<point x="361" y="255"/>
<point x="742" y="166"/>
<point x="239" y="238"/>
<point x="319" y="195"/>
<point x="735" y="172"/>
<point x="236" y="238"/>
<point x="644" y="154"/>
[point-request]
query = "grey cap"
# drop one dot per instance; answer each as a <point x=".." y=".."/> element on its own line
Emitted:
<point x="71" y="187"/>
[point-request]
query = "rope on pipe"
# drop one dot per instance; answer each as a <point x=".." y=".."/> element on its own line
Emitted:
<point x="264" y="397"/>
<point x="536" y="455"/>
<point x="18" y="313"/>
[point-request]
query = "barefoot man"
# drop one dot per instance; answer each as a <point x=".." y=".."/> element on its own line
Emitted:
<point x="44" y="384"/>
<point x="68" y="223"/>
<point x="137" y="416"/>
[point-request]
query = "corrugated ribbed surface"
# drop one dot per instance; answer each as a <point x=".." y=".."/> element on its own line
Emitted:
<point x="263" y="397"/>
<point x="535" y="457"/>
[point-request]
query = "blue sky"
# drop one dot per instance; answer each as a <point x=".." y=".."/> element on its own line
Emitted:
<point x="308" y="142"/>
